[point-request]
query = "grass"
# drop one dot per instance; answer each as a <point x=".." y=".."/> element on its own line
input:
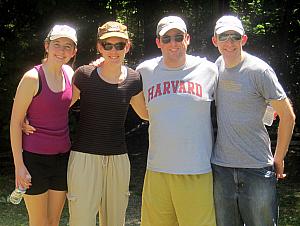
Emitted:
<point x="289" y="203"/>
<point x="16" y="215"/>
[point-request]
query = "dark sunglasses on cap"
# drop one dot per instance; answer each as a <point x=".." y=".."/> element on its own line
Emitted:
<point x="223" y="37"/>
<point x="166" y="38"/>
<point x="109" y="46"/>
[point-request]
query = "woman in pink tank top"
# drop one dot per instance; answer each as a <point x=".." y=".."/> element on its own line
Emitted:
<point x="44" y="95"/>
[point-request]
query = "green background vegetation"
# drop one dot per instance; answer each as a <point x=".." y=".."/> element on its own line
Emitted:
<point x="272" y="27"/>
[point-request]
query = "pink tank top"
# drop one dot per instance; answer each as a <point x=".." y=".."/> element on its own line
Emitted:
<point x="48" y="113"/>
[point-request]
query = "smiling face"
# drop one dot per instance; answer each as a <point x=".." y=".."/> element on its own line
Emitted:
<point x="113" y="49"/>
<point x="230" y="47"/>
<point x="60" y="50"/>
<point x="174" y="52"/>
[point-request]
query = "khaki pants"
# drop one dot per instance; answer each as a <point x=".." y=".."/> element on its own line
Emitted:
<point x="98" y="183"/>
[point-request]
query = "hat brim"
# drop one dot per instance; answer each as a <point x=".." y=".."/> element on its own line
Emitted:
<point x="169" y="27"/>
<point x="53" y="37"/>
<point x="229" y="28"/>
<point x="114" y="34"/>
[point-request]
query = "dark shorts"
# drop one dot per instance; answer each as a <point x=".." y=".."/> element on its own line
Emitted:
<point x="47" y="172"/>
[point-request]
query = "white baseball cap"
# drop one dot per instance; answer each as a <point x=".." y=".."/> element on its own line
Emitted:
<point x="168" y="23"/>
<point x="63" y="31"/>
<point x="229" y="23"/>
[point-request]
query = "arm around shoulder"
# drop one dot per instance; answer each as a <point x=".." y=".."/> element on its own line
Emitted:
<point x="75" y="89"/>
<point x="75" y="94"/>
<point x="138" y="104"/>
<point x="69" y="71"/>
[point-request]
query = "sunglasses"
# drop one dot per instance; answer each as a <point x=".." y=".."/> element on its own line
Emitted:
<point x="109" y="46"/>
<point x="167" y="39"/>
<point x="234" y="37"/>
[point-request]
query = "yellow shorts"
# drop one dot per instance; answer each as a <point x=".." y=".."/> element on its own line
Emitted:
<point x="172" y="199"/>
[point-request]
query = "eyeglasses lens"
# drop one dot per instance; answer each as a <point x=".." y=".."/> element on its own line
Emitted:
<point x="109" y="46"/>
<point x="166" y="38"/>
<point x="225" y="37"/>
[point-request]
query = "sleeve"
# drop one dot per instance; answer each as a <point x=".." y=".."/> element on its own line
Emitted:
<point x="269" y="86"/>
<point x="78" y="77"/>
<point x="219" y="63"/>
<point x="136" y="82"/>
<point x="215" y="74"/>
<point x="139" y="83"/>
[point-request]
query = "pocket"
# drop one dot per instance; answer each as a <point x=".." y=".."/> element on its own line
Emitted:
<point x="266" y="172"/>
<point x="71" y="197"/>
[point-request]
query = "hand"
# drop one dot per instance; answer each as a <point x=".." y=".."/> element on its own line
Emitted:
<point x="275" y="115"/>
<point x="97" y="63"/>
<point x="23" y="178"/>
<point x="26" y="128"/>
<point x="279" y="169"/>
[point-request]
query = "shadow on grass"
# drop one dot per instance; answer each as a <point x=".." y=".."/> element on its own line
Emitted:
<point x="16" y="215"/>
<point x="289" y="199"/>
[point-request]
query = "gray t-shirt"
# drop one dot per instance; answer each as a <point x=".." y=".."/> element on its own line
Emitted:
<point x="178" y="102"/>
<point x="242" y="96"/>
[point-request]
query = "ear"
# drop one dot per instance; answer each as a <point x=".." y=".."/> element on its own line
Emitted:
<point x="46" y="46"/>
<point x="214" y="41"/>
<point x="158" y="43"/>
<point x="188" y="39"/>
<point x="244" y="40"/>
<point x="99" y="47"/>
<point x="75" y="51"/>
<point x="127" y="47"/>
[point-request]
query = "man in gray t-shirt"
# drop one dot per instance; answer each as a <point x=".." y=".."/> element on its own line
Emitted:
<point x="245" y="171"/>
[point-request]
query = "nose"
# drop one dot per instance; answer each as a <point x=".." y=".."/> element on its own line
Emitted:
<point x="173" y="42"/>
<point x="61" y="48"/>
<point x="113" y="50"/>
<point x="229" y="41"/>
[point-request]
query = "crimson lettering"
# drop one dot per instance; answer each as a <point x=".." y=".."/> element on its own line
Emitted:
<point x="198" y="90"/>
<point x="150" y="93"/>
<point x="158" y="91"/>
<point x="175" y="86"/>
<point x="172" y="87"/>
<point x="191" y="88"/>
<point x="166" y="88"/>
<point x="182" y="87"/>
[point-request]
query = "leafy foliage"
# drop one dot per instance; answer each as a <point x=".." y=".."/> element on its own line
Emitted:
<point x="272" y="27"/>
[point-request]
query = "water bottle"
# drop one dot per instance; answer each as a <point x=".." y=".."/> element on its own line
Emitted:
<point x="268" y="116"/>
<point x="17" y="195"/>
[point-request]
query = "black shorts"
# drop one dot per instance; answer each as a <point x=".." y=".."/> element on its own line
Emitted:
<point x="47" y="172"/>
